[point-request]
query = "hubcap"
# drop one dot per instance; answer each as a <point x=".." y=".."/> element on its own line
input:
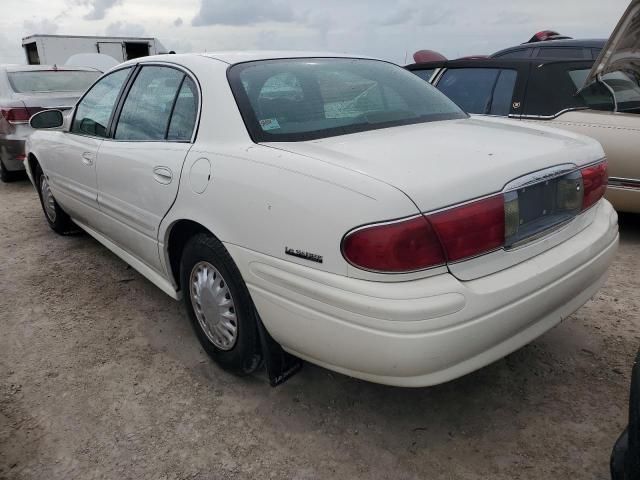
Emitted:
<point x="47" y="199"/>
<point x="213" y="305"/>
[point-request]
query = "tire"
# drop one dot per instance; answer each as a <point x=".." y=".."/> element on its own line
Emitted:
<point x="5" y="175"/>
<point x="57" y="218"/>
<point x="219" y="305"/>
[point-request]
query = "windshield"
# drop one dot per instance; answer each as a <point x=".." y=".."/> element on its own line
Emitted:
<point x="305" y="99"/>
<point x="42" y="81"/>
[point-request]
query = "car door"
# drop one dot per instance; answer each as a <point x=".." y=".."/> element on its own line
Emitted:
<point x="139" y="167"/>
<point x="70" y="163"/>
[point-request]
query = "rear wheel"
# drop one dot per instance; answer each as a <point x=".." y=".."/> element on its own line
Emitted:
<point x="57" y="218"/>
<point x="219" y="305"/>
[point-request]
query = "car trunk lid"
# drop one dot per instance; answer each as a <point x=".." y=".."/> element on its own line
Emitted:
<point x="36" y="102"/>
<point x="622" y="51"/>
<point x="443" y="164"/>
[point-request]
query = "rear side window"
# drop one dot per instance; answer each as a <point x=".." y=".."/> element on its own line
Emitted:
<point x="487" y="91"/>
<point x="560" y="52"/>
<point x="520" y="53"/>
<point x="94" y="110"/>
<point x="503" y="93"/>
<point x="425" y="74"/>
<point x="44" y="81"/>
<point x="147" y="109"/>
<point x="183" y="119"/>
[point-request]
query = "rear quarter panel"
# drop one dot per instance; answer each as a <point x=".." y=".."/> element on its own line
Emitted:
<point x="266" y="200"/>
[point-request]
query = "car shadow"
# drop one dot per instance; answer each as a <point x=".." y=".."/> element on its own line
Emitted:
<point x="629" y="224"/>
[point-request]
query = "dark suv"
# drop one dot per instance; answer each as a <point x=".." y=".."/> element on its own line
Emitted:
<point x="566" y="49"/>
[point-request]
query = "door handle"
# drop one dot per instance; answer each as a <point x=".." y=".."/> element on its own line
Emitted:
<point x="88" y="158"/>
<point x="162" y="175"/>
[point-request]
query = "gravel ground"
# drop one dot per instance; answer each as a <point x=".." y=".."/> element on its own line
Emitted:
<point x="101" y="377"/>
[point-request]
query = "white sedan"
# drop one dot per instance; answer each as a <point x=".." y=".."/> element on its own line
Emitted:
<point x="338" y="208"/>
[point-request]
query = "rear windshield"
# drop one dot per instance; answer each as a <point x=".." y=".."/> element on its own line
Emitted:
<point x="305" y="99"/>
<point x="42" y="81"/>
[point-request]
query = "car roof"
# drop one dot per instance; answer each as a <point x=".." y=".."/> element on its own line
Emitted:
<point x="39" y="68"/>
<point x="584" y="43"/>
<point x="497" y="63"/>
<point x="235" y="57"/>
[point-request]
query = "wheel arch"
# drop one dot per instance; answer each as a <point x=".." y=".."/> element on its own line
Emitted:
<point x="32" y="162"/>
<point x="177" y="236"/>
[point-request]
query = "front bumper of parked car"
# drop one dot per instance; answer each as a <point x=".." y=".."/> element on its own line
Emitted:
<point x="428" y="331"/>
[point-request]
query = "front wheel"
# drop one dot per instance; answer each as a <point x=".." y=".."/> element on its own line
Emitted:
<point x="57" y="218"/>
<point x="219" y="305"/>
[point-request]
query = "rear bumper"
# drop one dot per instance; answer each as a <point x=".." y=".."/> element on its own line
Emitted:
<point x="12" y="153"/>
<point x="427" y="331"/>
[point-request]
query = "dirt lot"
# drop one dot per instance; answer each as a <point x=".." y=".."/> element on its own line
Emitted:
<point x="101" y="377"/>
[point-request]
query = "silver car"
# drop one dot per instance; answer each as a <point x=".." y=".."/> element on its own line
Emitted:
<point x="25" y="90"/>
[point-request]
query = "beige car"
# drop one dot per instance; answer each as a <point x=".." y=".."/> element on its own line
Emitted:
<point x="618" y="69"/>
<point x="601" y="99"/>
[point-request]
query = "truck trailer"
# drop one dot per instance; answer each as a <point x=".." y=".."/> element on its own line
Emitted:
<point x="56" y="49"/>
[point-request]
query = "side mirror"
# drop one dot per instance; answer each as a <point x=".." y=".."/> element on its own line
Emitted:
<point x="47" y="119"/>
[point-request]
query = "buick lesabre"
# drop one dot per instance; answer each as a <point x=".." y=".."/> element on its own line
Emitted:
<point x="341" y="206"/>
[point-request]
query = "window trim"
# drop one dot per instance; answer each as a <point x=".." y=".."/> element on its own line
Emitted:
<point x="75" y="109"/>
<point x="124" y="92"/>
<point x="113" y="122"/>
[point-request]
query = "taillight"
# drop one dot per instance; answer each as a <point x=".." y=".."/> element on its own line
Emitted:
<point x="15" y="114"/>
<point x="594" y="180"/>
<point x="475" y="228"/>
<point x="401" y="246"/>
<point x="471" y="229"/>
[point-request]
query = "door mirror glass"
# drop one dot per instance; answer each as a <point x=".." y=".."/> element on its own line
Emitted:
<point x="47" y="119"/>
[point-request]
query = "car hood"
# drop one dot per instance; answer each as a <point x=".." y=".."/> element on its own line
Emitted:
<point x="622" y="51"/>
<point x="442" y="163"/>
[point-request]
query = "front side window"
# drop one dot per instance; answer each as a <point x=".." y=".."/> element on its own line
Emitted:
<point x="304" y="99"/>
<point x="624" y="86"/>
<point x="147" y="108"/>
<point x="626" y="89"/>
<point x="94" y="110"/>
<point x="595" y="96"/>
<point x="486" y="91"/>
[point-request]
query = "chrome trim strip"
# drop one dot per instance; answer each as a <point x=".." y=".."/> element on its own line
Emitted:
<point x="547" y="117"/>
<point x="540" y="176"/>
<point x="631" y="183"/>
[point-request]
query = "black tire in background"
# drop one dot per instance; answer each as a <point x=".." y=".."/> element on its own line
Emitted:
<point x="5" y="175"/>
<point x="57" y="218"/>
<point x="204" y="254"/>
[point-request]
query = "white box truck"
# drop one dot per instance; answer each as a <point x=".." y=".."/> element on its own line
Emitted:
<point x="56" y="49"/>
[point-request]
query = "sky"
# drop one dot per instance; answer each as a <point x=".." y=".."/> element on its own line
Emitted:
<point x="388" y="29"/>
